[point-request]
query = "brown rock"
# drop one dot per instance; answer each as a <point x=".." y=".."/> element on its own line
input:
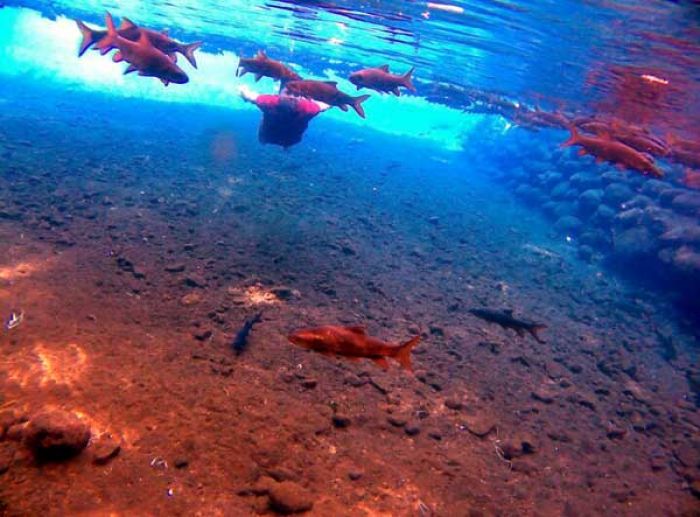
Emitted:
<point x="190" y="299"/>
<point x="289" y="497"/>
<point x="105" y="449"/>
<point x="56" y="435"/>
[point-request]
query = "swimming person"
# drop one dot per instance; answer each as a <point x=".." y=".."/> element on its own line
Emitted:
<point x="285" y="117"/>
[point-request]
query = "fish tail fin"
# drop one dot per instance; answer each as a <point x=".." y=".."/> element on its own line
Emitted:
<point x="89" y="37"/>
<point x="357" y="104"/>
<point x="535" y="332"/>
<point x="188" y="52"/>
<point x="108" y="42"/>
<point x="408" y="79"/>
<point x="573" y="139"/>
<point x="403" y="353"/>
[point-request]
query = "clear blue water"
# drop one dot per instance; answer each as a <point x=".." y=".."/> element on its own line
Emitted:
<point x="133" y="215"/>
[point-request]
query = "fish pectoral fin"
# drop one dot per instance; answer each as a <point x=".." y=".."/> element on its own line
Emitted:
<point x="130" y="69"/>
<point x="382" y="362"/>
<point x="258" y="77"/>
<point x="343" y="107"/>
<point x="384" y="67"/>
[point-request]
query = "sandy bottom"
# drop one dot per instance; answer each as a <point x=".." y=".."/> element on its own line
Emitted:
<point x="137" y="238"/>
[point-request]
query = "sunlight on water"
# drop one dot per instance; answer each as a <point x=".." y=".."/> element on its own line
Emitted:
<point x="212" y="84"/>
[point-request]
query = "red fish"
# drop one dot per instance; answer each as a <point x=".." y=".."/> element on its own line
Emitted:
<point x="129" y="30"/>
<point x="608" y="149"/>
<point x="353" y="342"/>
<point x="263" y="66"/>
<point x="328" y="93"/>
<point x="142" y="56"/>
<point x="634" y="136"/>
<point x="382" y="81"/>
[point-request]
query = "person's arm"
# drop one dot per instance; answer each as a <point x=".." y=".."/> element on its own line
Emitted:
<point x="247" y="94"/>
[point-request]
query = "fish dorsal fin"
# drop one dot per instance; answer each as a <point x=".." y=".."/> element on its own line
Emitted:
<point x="144" y="39"/>
<point x="126" y="23"/>
<point x="384" y="67"/>
<point x="358" y="329"/>
<point x="261" y="54"/>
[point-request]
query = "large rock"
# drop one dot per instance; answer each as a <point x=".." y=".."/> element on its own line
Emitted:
<point x="634" y="242"/>
<point x="629" y="218"/>
<point x="603" y="216"/>
<point x="568" y="224"/>
<point x="590" y="200"/>
<point x="617" y="193"/>
<point x="654" y="187"/>
<point x="688" y="234"/>
<point x="687" y="260"/>
<point x="586" y="180"/>
<point x="56" y="435"/>
<point x="687" y="203"/>
<point x="289" y="497"/>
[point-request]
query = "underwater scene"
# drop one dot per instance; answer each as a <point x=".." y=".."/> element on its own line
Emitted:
<point x="350" y="258"/>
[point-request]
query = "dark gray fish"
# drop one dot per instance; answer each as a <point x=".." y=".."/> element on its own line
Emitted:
<point x="506" y="320"/>
<point x="241" y="339"/>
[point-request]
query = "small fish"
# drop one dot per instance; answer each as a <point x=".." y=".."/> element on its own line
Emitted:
<point x="506" y="320"/>
<point x="262" y="66"/>
<point x="354" y="343"/>
<point x="328" y="93"/>
<point x="381" y="80"/>
<point x="14" y="320"/>
<point x="605" y="148"/>
<point x="241" y="339"/>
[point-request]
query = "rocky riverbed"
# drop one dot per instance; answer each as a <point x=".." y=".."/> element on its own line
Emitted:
<point x="135" y="251"/>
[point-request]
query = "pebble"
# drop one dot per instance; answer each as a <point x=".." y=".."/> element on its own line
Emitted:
<point x="479" y="426"/>
<point x="181" y="463"/>
<point x="396" y="421"/>
<point x="175" y="268"/>
<point x="190" y="299"/>
<point x="354" y="475"/>
<point x="453" y="404"/>
<point x="341" y="421"/>
<point x="309" y="384"/>
<point x="411" y="429"/>
<point x="104" y="449"/>
<point x="289" y="497"/>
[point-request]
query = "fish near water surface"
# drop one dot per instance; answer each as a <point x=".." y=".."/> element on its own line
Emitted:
<point x="130" y="31"/>
<point x="142" y="56"/>
<point x="506" y="320"/>
<point x="605" y="148"/>
<point x="382" y="81"/>
<point x="326" y="92"/>
<point x="262" y="66"/>
<point x="353" y="342"/>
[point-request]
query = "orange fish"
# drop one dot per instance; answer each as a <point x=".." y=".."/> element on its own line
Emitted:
<point x="382" y="81"/>
<point x="608" y="149"/>
<point x="142" y="56"/>
<point x="263" y="66"/>
<point x="353" y="342"/>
